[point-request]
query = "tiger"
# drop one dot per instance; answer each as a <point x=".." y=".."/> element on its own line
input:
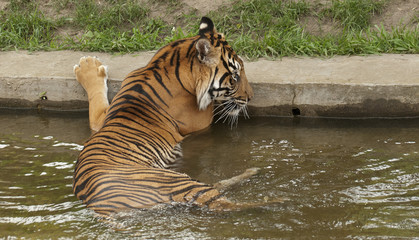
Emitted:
<point x="125" y="164"/>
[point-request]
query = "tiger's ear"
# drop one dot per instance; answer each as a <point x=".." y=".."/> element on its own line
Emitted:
<point x="206" y="55"/>
<point x="209" y="55"/>
<point x="206" y="26"/>
<point x="206" y="52"/>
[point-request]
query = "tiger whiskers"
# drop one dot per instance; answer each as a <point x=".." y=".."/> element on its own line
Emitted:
<point x="245" y="113"/>
<point x="229" y="111"/>
<point x="217" y="110"/>
<point x="226" y="111"/>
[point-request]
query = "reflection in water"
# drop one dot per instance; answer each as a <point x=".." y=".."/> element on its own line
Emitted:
<point x="344" y="178"/>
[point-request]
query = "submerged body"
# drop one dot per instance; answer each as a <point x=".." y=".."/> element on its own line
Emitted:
<point x="124" y="164"/>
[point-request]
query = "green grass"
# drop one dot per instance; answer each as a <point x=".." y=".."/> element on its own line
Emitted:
<point x="415" y="18"/>
<point x="93" y="17"/>
<point x="255" y="28"/>
<point x="354" y="14"/>
<point x="259" y="16"/>
<point x="27" y="30"/>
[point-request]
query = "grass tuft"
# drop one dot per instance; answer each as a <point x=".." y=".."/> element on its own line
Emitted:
<point x="29" y="30"/>
<point x="415" y="18"/>
<point x="259" y="16"/>
<point x="92" y="16"/>
<point x="354" y="14"/>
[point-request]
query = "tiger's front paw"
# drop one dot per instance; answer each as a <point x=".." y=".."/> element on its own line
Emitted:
<point x="91" y="74"/>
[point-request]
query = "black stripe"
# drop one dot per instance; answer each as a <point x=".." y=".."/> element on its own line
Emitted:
<point x="190" y="48"/>
<point x="192" y="63"/>
<point x="225" y="75"/>
<point x="225" y="65"/>
<point x="188" y="188"/>
<point x="146" y="106"/>
<point x="173" y="57"/>
<point x="174" y="44"/>
<point x="160" y="80"/>
<point x="213" y="199"/>
<point x="162" y="140"/>
<point x="139" y="88"/>
<point x="178" y="75"/>
<point x="199" y="193"/>
<point x="160" y="59"/>
<point x="231" y="65"/>
<point x="150" y="195"/>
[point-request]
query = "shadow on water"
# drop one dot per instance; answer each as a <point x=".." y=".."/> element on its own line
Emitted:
<point x="345" y="179"/>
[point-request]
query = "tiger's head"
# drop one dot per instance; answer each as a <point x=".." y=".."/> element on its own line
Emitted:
<point x="226" y="83"/>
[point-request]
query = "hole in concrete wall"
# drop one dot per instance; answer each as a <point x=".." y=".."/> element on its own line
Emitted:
<point x="296" y="111"/>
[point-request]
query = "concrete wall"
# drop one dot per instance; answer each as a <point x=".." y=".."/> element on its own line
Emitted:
<point x="371" y="86"/>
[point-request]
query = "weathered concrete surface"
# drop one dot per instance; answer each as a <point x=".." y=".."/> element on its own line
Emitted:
<point x="371" y="86"/>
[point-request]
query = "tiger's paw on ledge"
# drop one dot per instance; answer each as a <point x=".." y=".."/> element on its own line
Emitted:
<point x="91" y="74"/>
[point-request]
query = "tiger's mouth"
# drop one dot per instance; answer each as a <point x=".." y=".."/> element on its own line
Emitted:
<point x="229" y="110"/>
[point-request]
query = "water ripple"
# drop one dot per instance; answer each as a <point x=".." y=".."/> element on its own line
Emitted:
<point x="392" y="190"/>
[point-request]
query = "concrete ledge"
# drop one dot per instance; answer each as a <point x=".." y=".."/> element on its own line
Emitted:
<point x="371" y="86"/>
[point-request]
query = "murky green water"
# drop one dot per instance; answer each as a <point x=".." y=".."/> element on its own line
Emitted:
<point x="355" y="179"/>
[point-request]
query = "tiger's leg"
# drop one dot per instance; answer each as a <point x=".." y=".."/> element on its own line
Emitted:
<point x="191" y="191"/>
<point x="120" y="188"/>
<point x="227" y="183"/>
<point x="92" y="75"/>
<point x="223" y="204"/>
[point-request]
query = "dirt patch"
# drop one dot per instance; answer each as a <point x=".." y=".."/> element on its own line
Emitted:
<point x="320" y="27"/>
<point x="204" y="7"/>
<point x="398" y="12"/>
<point x="172" y="12"/>
<point x="3" y="4"/>
<point x="395" y="13"/>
